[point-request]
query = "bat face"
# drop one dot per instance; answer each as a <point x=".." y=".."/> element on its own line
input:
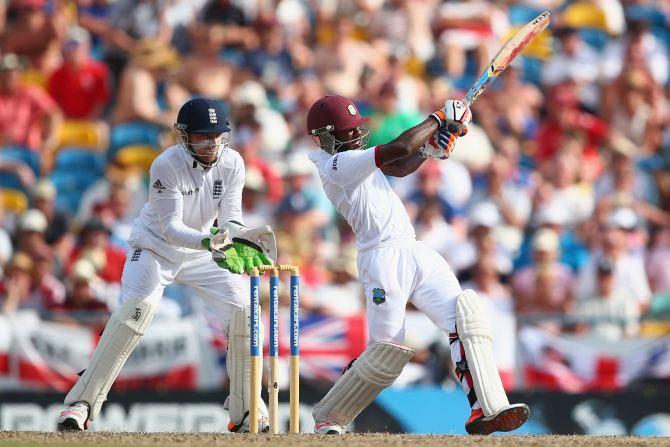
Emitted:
<point x="507" y="53"/>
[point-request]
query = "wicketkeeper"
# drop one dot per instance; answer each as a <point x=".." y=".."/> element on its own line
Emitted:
<point x="192" y="185"/>
<point x="393" y="266"/>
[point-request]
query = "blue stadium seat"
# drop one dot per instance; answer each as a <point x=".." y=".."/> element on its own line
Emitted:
<point x="532" y="69"/>
<point x="14" y="153"/>
<point x="72" y="159"/>
<point x="133" y="133"/>
<point x="522" y="14"/>
<point x="76" y="169"/>
<point x="594" y="37"/>
<point x="70" y="186"/>
<point x="11" y="181"/>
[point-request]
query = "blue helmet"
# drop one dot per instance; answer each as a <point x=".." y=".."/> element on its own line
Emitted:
<point x="203" y="116"/>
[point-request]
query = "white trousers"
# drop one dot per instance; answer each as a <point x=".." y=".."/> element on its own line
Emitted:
<point x="393" y="274"/>
<point x="146" y="274"/>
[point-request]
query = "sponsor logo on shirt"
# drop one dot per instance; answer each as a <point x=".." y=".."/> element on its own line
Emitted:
<point x="158" y="185"/>
<point x="378" y="296"/>
<point x="335" y="162"/>
<point x="218" y="188"/>
<point x="190" y="192"/>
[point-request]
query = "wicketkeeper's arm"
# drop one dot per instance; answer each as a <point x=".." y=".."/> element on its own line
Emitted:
<point x="168" y="202"/>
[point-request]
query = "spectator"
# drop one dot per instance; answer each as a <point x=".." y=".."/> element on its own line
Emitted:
<point x="28" y="116"/>
<point x="82" y="306"/>
<point x="57" y="229"/>
<point x="611" y="313"/>
<point x="46" y="291"/>
<point x="389" y="120"/>
<point x="80" y="85"/>
<point x="251" y="107"/>
<point x="203" y="72"/>
<point x="298" y="177"/>
<point x="115" y="213"/>
<point x="483" y="219"/>
<point x="255" y="206"/>
<point x="630" y="276"/>
<point x="638" y="45"/>
<point x="547" y="286"/>
<point x="564" y="119"/>
<point x="6" y="248"/>
<point x="147" y="91"/>
<point x="511" y="200"/>
<point x="342" y="294"/>
<point x="30" y="237"/>
<point x="35" y="33"/>
<point x="247" y="141"/>
<point x="567" y="192"/>
<point x="658" y="262"/>
<point x="573" y="252"/>
<point x="430" y="187"/>
<point x="574" y="61"/>
<point x="117" y="176"/>
<point x="15" y="287"/>
<point x="94" y="244"/>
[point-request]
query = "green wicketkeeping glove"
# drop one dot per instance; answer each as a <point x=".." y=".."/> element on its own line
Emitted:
<point x="223" y="251"/>
<point x="250" y="254"/>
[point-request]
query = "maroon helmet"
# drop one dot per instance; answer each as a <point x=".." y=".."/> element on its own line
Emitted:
<point x="335" y="113"/>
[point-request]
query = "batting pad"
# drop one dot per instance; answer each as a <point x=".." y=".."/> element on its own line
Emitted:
<point x="376" y="368"/>
<point x="474" y="332"/>
<point x="238" y="364"/>
<point x="122" y="333"/>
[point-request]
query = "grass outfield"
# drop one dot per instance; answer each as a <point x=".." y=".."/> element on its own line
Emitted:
<point x="102" y="439"/>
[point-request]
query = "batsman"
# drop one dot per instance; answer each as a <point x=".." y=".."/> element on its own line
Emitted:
<point x="192" y="184"/>
<point x="395" y="268"/>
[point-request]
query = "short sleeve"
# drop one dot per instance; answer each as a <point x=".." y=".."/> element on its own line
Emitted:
<point x="351" y="168"/>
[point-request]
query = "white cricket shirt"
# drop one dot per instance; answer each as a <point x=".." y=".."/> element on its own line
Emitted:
<point x="184" y="201"/>
<point x="361" y="193"/>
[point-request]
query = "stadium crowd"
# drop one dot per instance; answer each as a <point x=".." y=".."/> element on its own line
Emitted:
<point x="555" y="205"/>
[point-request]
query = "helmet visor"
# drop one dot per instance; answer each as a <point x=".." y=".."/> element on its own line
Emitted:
<point x="206" y="149"/>
<point x="333" y="141"/>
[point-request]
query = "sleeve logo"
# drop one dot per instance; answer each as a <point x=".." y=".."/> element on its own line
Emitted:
<point x="335" y="163"/>
<point x="378" y="296"/>
<point x="159" y="186"/>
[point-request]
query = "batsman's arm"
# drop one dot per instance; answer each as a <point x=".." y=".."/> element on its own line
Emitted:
<point x="401" y="156"/>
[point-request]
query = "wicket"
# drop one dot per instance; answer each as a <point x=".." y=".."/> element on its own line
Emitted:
<point x="256" y="347"/>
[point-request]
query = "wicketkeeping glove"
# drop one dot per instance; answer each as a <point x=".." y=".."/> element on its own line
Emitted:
<point x="255" y="246"/>
<point x="224" y="253"/>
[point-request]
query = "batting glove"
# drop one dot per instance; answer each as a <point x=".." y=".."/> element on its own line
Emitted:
<point x="455" y="116"/>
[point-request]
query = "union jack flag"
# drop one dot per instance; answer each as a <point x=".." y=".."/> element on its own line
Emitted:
<point x="327" y="344"/>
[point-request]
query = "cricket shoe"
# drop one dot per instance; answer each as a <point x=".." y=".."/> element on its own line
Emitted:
<point x="74" y="418"/>
<point x="243" y="427"/>
<point x="328" y="428"/>
<point x="508" y="419"/>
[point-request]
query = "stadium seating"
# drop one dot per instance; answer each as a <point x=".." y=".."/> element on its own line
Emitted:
<point x="80" y="133"/>
<point x="138" y="156"/>
<point x="29" y="157"/>
<point x="13" y="200"/>
<point x="127" y="134"/>
<point x="10" y="180"/>
<point x="76" y="169"/>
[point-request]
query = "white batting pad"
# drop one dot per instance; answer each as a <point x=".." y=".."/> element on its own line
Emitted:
<point x="238" y="364"/>
<point x="122" y="333"/>
<point x="376" y="368"/>
<point x="474" y="332"/>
